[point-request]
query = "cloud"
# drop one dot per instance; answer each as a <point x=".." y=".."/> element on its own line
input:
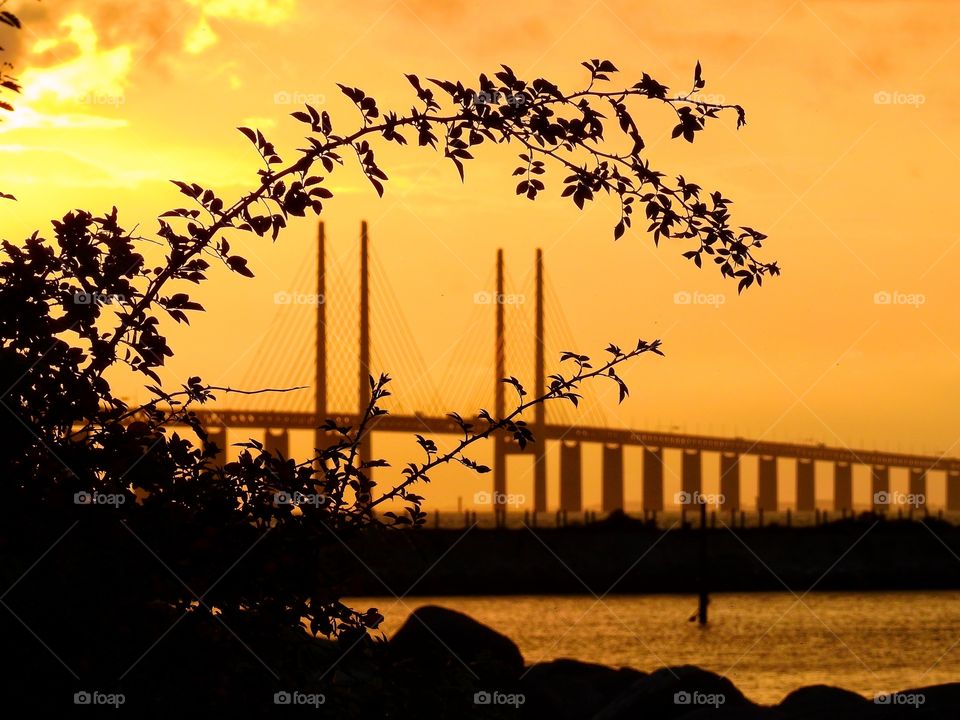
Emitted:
<point x="155" y="30"/>
<point x="85" y="69"/>
<point x="83" y="80"/>
<point x="74" y="59"/>
<point x="265" y="12"/>
<point x="202" y="36"/>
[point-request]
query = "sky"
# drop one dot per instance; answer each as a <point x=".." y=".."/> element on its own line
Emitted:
<point x="847" y="162"/>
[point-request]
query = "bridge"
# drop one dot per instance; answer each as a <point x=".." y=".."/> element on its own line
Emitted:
<point x="571" y="433"/>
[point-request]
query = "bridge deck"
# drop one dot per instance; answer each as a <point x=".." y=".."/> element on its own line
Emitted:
<point x="679" y="441"/>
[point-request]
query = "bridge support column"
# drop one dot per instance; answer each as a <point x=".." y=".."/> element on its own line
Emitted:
<point x="540" y="410"/>
<point x="277" y="442"/>
<point x="880" y="488"/>
<point x="842" y="486"/>
<point x="730" y="480"/>
<point x="918" y="488"/>
<point x="691" y="473"/>
<point x="320" y="369"/>
<point x="499" y="398"/>
<point x="768" y="498"/>
<point x="218" y="435"/>
<point x="612" y="494"/>
<point x="953" y="490"/>
<point x="571" y="489"/>
<point x="365" y="369"/>
<point x="806" y="487"/>
<point x="652" y="479"/>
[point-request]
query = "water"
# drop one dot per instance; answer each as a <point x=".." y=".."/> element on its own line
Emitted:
<point x="766" y="643"/>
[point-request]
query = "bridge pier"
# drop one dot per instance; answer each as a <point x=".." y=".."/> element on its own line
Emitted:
<point x="768" y="499"/>
<point x="277" y="442"/>
<point x="806" y="487"/>
<point x="612" y="490"/>
<point x="880" y="487"/>
<point x="571" y="488"/>
<point x="652" y="479"/>
<point x="218" y="435"/>
<point x="842" y="486"/>
<point x="918" y="487"/>
<point x="953" y="490"/>
<point x="691" y="473"/>
<point x="730" y="480"/>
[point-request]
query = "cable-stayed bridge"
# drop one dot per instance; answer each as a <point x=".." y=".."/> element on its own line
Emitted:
<point x="420" y="407"/>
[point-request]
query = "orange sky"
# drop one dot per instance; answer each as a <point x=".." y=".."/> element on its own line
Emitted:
<point x="852" y="190"/>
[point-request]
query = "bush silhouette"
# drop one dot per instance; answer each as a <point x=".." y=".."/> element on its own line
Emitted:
<point x="121" y="527"/>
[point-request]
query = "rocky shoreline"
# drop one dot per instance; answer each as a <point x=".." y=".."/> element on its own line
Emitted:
<point x="438" y="640"/>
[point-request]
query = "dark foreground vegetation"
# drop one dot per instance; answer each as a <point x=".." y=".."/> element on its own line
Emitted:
<point x="88" y="617"/>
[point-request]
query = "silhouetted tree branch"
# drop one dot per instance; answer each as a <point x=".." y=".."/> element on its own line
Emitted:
<point x="86" y="304"/>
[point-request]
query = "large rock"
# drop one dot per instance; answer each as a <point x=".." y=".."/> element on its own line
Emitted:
<point x="935" y="701"/>
<point x="572" y="690"/>
<point x="438" y="639"/>
<point x="822" y="702"/>
<point x="680" y="692"/>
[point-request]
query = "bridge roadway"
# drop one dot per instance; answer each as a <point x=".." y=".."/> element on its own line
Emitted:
<point x="679" y="441"/>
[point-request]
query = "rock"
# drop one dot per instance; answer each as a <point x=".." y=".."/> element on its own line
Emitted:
<point x="439" y="639"/>
<point x="935" y="701"/>
<point x="822" y="702"/>
<point x="571" y="690"/>
<point x="680" y="692"/>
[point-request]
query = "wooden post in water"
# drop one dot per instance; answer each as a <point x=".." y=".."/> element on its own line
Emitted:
<point x="704" y="598"/>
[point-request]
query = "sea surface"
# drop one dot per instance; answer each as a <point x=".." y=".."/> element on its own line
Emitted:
<point x="766" y="643"/>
